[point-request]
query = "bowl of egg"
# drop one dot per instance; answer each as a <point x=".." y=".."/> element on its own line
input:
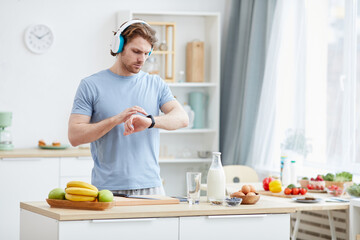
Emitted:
<point x="247" y="194"/>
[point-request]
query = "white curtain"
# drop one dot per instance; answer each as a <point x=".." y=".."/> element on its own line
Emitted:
<point x="282" y="74"/>
<point x="309" y="88"/>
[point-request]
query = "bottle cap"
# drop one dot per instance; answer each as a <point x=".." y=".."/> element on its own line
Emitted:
<point x="217" y="153"/>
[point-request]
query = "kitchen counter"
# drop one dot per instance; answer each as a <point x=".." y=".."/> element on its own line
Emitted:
<point x="43" y="153"/>
<point x="265" y="205"/>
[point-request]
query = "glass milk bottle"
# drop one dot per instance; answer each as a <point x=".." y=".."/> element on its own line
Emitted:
<point x="216" y="180"/>
<point x="286" y="175"/>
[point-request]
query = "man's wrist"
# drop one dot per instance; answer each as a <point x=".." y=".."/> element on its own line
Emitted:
<point x="152" y="121"/>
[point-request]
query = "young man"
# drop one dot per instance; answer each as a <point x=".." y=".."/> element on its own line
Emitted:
<point x="117" y="110"/>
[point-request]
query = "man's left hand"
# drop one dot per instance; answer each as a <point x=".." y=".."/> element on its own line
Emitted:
<point x="136" y="123"/>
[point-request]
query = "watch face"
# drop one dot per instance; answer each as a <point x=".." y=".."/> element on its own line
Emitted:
<point x="38" y="38"/>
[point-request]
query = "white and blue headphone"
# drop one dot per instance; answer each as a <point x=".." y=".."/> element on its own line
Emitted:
<point x="118" y="40"/>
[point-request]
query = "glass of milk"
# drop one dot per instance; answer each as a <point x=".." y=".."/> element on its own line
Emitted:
<point x="193" y="182"/>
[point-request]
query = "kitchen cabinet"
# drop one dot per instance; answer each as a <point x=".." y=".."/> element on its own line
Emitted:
<point x="75" y="168"/>
<point x="31" y="179"/>
<point x="182" y="145"/>
<point x="35" y="226"/>
<point x="266" y="220"/>
<point x="23" y="179"/>
<point x="252" y="226"/>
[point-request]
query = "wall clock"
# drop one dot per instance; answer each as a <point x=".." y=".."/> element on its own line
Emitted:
<point x="38" y="38"/>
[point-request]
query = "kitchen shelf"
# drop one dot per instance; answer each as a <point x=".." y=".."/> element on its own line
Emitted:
<point x="185" y="160"/>
<point x="205" y="130"/>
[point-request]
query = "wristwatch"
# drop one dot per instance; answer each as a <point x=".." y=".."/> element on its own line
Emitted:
<point x="152" y="120"/>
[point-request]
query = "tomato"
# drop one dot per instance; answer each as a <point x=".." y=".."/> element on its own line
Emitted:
<point x="321" y="187"/>
<point x="303" y="191"/>
<point x="310" y="186"/>
<point x="287" y="191"/>
<point x="295" y="191"/>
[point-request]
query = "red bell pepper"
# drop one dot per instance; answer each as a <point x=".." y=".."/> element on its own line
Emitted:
<point x="266" y="182"/>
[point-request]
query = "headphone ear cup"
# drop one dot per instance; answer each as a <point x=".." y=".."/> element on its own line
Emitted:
<point x="121" y="44"/>
<point x="115" y="44"/>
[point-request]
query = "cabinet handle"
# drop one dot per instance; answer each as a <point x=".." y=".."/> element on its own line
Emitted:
<point x="20" y="159"/>
<point x="239" y="216"/>
<point x="123" y="220"/>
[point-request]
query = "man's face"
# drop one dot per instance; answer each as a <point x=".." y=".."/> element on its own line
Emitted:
<point x="135" y="54"/>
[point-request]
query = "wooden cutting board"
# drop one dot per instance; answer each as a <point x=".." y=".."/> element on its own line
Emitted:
<point x="121" y="201"/>
<point x="281" y="194"/>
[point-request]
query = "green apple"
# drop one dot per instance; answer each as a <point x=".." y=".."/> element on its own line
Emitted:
<point x="57" y="193"/>
<point x="105" y="196"/>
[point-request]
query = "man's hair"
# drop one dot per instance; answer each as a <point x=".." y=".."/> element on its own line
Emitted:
<point x="137" y="30"/>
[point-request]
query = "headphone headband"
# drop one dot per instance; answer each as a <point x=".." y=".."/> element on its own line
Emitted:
<point x="118" y="40"/>
<point x="127" y="24"/>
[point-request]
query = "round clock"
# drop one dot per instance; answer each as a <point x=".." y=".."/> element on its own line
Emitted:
<point x="38" y="38"/>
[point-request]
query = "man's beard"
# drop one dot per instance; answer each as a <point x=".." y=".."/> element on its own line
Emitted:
<point x="133" y="67"/>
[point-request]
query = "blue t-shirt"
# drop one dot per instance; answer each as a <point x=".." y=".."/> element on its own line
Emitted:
<point x="123" y="162"/>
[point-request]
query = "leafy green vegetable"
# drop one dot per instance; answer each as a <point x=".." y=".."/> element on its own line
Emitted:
<point x="354" y="190"/>
<point x="291" y="186"/>
<point x="305" y="178"/>
<point x="343" y="177"/>
<point x="329" y="177"/>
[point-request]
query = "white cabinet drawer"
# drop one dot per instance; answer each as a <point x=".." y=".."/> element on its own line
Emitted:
<point x="129" y="229"/>
<point x="76" y="167"/>
<point x="23" y="179"/>
<point x="254" y="226"/>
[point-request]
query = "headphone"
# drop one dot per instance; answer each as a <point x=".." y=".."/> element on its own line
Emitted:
<point x="118" y="40"/>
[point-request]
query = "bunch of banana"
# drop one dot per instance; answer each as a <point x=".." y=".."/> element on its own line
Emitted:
<point x="80" y="191"/>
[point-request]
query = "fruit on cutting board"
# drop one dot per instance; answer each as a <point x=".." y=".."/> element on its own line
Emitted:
<point x="275" y="186"/>
<point x="80" y="191"/>
<point x="266" y="182"/>
<point x="81" y="184"/>
<point x="105" y="196"/>
<point x="79" y="198"/>
<point x="57" y="193"/>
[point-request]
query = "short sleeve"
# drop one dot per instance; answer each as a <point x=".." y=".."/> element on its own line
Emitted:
<point x="165" y="94"/>
<point x="84" y="99"/>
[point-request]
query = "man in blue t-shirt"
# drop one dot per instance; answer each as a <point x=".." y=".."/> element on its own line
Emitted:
<point x="117" y="111"/>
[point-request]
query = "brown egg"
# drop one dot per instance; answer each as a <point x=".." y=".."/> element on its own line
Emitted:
<point x="250" y="194"/>
<point x="237" y="194"/>
<point x="245" y="189"/>
<point x="252" y="188"/>
<point x="241" y="193"/>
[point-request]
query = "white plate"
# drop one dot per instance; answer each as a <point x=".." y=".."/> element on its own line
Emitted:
<point x="303" y="200"/>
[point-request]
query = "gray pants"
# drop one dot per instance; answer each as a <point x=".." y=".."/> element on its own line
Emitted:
<point x="144" y="191"/>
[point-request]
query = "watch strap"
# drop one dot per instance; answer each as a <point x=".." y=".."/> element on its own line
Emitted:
<point x="152" y="120"/>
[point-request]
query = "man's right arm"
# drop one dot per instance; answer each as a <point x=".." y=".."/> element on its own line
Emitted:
<point x="81" y="131"/>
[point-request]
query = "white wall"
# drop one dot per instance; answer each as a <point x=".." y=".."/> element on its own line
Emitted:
<point x="39" y="89"/>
